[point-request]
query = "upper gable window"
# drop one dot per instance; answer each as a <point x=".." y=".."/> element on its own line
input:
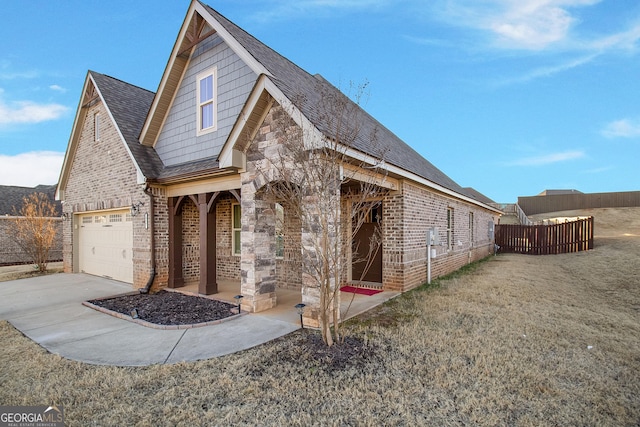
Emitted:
<point x="207" y="88"/>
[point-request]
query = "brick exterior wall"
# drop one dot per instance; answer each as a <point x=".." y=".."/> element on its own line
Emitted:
<point x="228" y="265"/>
<point x="408" y="215"/>
<point x="10" y="252"/>
<point x="190" y="242"/>
<point x="161" y="236"/>
<point x="103" y="176"/>
<point x="393" y="241"/>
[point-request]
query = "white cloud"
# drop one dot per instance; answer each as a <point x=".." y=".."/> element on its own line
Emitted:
<point x="6" y="72"/>
<point x="624" y="128"/>
<point x="625" y="40"/>
<point x="57" y="88"/>
<point x="29" y="112"/>
<point x="548" y="159"/>
<point x="531" y="27"/>
<point x="516" y="24"/>
<point x="31" y="169"/>
<point x="12" y="75"/>
<point x="544" y="27"/>
<point x="548" y="71"/>
<point x="598" y="170"/>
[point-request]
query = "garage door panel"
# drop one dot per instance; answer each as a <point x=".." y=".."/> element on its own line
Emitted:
<point x="106" y="245"/>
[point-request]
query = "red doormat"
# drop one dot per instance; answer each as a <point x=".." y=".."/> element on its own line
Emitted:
<point x="362" y="291"/>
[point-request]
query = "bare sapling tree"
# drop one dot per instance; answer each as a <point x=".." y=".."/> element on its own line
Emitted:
<point x="325" y="179"/>
<point x="35" y="228"/>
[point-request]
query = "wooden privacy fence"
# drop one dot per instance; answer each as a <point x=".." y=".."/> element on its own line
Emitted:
<point x="561" y="238"/>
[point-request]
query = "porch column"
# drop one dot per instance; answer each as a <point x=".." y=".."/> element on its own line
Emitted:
<point x="207" y="208"/>
<point x="257" y="259"/>
<point x="320" y="203"/>
<point x="176" y="278"/>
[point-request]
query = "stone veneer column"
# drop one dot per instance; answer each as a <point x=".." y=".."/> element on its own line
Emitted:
<point x="257" y="259"/>
<point x="312" y="235"/>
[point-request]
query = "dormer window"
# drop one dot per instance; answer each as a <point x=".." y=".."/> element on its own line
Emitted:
<point x="206" y="93"/>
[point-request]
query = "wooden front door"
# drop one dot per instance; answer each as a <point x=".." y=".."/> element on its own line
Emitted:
<point x="367" y="249"/>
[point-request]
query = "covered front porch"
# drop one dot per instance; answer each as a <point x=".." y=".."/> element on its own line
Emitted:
<point x="239" y="241"/>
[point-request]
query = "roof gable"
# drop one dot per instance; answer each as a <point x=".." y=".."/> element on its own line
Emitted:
<point x="196" y="27"/>
<point x="127" y="106"/>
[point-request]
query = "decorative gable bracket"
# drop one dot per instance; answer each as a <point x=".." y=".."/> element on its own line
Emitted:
<point x="195" y="34"/>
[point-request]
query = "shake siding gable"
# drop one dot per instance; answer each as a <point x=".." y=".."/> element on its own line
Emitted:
<point x="177" y="142"/>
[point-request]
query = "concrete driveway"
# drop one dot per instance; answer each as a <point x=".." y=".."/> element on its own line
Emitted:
<point x="49" y="310"/>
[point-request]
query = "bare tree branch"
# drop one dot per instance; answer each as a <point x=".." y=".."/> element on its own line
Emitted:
<point x="35" y="228"/>
<point x="331" y="190"/>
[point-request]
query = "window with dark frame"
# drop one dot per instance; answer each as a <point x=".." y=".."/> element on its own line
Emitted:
<point x="450" y="226"/>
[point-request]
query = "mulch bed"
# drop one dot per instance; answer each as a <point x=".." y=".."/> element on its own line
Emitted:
<point x="169" y="308"/>
<point x="306" y="348"/>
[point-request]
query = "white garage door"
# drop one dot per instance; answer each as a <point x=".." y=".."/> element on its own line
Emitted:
<point x="105" y="243"/>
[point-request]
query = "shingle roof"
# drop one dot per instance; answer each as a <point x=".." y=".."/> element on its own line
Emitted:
<point x="185" y="169"/>
<point x="306" y="90"/>
<point x="475" y="194"/>
<point x="11" y="197"/>
<point x="129" y="106"/>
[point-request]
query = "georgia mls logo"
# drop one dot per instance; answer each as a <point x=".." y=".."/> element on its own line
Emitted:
<point x="31" y="416"/>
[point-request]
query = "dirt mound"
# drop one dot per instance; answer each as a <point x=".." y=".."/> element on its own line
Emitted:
<point x="609" y="222"/>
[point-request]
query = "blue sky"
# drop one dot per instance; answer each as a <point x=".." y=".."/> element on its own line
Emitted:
<point x="510" y="97"/>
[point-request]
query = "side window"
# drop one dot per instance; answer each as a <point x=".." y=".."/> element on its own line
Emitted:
<point x="236" y="226"/>
<point x="450" y="228"/>
<point x="206" y="93"/>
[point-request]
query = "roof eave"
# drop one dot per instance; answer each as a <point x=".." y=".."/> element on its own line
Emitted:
<point x="397" y="171"/>
<point x="73" y="138"/>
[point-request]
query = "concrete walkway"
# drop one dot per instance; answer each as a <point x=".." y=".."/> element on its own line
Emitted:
<point x="48" y="309"/>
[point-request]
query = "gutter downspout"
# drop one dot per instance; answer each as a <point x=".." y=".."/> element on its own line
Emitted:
<point x="151" y="222"/>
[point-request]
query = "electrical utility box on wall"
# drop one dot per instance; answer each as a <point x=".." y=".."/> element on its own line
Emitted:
<point x="433" y="237"/>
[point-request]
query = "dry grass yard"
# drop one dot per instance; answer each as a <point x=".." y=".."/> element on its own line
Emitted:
<point x="515" y="340"/>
